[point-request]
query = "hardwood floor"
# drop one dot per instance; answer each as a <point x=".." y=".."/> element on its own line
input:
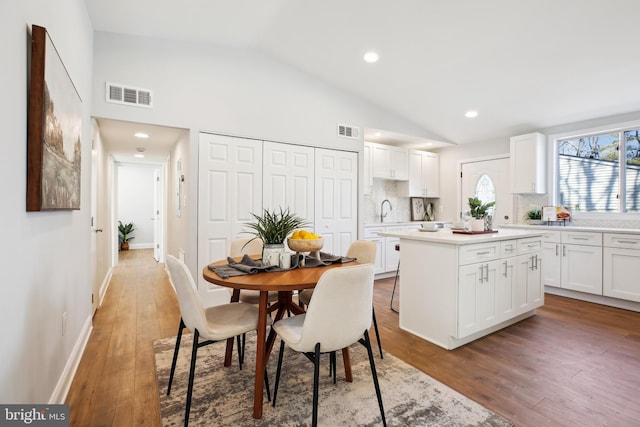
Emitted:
<point x="573" y="364"/>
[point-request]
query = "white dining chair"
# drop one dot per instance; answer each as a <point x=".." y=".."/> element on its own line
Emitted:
<point x="338" y="315"/>
<point x="364" y="251"/>
<point x="209" y="325"/>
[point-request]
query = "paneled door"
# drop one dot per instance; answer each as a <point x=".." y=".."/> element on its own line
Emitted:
<point x="229" y="189"/>
<point x="288" y="179"/>
<point x="336" y="199"/>
<point x="487" y="179"/>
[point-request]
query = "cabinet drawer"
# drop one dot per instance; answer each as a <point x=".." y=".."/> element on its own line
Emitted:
<point x="582" y="238"/>
<point x="479" y="252"/>
<point x="508" y="248"/>
<point x="551" y="237"/>
<point x="533" y="244"/>
<point x="372" y="232"/>
<point x="627" y="241"/>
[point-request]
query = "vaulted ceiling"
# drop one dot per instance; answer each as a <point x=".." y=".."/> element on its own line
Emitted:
<point x="522" y="65"/>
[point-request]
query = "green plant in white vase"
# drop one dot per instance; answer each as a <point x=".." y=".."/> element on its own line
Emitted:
<point x="479" y="211"/>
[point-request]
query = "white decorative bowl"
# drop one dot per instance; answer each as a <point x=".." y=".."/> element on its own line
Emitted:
<point x="304" y="245"/>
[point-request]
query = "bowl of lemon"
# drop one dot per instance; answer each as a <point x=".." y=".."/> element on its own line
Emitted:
<point x="305" y="241"/>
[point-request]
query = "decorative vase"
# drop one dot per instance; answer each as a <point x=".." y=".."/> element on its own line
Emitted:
<point x="271" y="253"/>
<point x="477" y="224"/>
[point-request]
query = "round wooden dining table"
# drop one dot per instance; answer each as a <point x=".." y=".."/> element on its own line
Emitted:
<point x="285" y="282"/>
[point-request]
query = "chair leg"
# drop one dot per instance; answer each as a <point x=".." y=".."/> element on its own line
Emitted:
<point x="316" y="385"/>
<point x="278" y="370"/>
<point x="375" y="328"/>
<point x="374" y="374"/>
<point x="240" y="350"/>
<point x="266" y="384"/>
<point x="175" y="354"/>
<point x="395" y="282"/>
<point x="194" y="353"/>
<point x="332" y="363"/>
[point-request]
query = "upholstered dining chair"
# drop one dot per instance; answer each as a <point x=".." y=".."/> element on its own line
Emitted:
<point x="364" y="251"/>
<point x="338" y="315"/>
<point x="249" y="246"/>
<point x="209" y="325"/>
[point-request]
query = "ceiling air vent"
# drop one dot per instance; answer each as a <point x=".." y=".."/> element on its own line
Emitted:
<point x="128" y="95"/>
<point x="345" y="131"/>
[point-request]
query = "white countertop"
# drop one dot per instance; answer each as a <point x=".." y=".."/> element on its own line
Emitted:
<point x="401" y="223"/>
<point x="448" y="237"/>
<point x="558" y="227"/>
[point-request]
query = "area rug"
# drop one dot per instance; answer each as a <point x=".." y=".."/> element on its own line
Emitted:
<point x="224" y="396"/>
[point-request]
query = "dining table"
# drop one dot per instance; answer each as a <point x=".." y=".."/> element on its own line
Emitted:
<point x="285" y="282"/>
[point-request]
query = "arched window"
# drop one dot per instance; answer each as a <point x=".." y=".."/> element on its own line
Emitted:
<point x="485" y="190"/>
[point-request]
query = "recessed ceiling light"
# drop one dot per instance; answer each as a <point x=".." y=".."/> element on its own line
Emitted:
<point x="140" y="135"/>
<point x="471" y="114"/>
<point x="371" y="57"/>
<point x="139" y="155"/>
<point x="377" y="134"/>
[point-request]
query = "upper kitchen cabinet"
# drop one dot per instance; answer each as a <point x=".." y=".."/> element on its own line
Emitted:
<point x="390" y="162"/>
<point x="424" y="175"/>
<point x="528" y="164"/>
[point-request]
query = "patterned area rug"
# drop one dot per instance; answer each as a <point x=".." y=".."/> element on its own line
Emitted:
<point x="224" y="396"/>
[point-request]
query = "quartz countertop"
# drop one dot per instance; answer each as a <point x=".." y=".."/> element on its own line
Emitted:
<point x="448" y="237"/>
<point x="545" y="228"/>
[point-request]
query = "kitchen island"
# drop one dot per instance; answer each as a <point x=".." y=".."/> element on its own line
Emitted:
<point x="455" y="288"/>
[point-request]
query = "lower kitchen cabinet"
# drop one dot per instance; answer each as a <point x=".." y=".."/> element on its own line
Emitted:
<point x="573" y="260"/>
<point x="506" y="285"/>
<point x="621" y="262"/>
<point x="387" y="256"/>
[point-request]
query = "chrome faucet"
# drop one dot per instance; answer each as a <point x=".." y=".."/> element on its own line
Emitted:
<point x="382" y="209"/>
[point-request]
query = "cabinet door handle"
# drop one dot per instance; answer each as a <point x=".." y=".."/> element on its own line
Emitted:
<point x="631" y="242"/>
<point x="483" y="253"/>
<point x="532" y="245"/>
<point x="564" y="250"/>
<point x="557" y="249"/>
<point x="536" y="261"/>
<point x="532" y="265"/>
<point x="579" y="238"/>
<point x="505" y="269"/>
<point x="481" y="274"/>
<point x="487" y="276"/>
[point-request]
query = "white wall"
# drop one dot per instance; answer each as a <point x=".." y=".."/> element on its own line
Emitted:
<point x="177" y="238"/>
<point x="230" y="91"/>
<point x="45" y="255"/>
<point x="136" y="202"/>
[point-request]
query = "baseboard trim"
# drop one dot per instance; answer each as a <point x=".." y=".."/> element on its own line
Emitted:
<point x="104" y="286"/>
<point x="59" y="394"/>
<point x="597" y="299"/>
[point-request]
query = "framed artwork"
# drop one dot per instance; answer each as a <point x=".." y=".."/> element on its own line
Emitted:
<point x="54" y="130"/>
<point x="417" y="208"/>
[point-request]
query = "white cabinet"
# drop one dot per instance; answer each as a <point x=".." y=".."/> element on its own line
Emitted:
<point x="424" y="175"/>
<point x="387" y="257"/>
<point x="528" y="163"/>
<point x="367" y="159"/>
<point x="497" y="282"/>
<point x="478" y="303"/>
<point x="390" y="162"/>
<point x="620" y="266"/>
<point x="573" y="260"/>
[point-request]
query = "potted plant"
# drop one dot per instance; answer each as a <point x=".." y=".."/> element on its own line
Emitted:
<point x="533" y="216"/>
<point x="273" y="227"/>
<point x="125" y="230"/>
<point x="479" y="211"/>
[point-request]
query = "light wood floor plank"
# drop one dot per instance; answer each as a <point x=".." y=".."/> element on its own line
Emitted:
<point x="573" y="364"/>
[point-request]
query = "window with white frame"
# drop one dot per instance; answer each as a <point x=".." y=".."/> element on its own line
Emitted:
<point x="599" y="172"/>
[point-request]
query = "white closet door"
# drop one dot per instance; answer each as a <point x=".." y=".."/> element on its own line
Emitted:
<point x="229" y="188"/>
<point x="288" y="179"/>
<point x="336" y="182"/>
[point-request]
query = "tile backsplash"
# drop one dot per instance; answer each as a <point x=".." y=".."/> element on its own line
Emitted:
<point x="388" y="189"/>
<point x="526" y="202"/>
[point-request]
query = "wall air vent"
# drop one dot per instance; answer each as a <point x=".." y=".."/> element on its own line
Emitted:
<point x="128" y="95"/>
<point x="345" y="131"/>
